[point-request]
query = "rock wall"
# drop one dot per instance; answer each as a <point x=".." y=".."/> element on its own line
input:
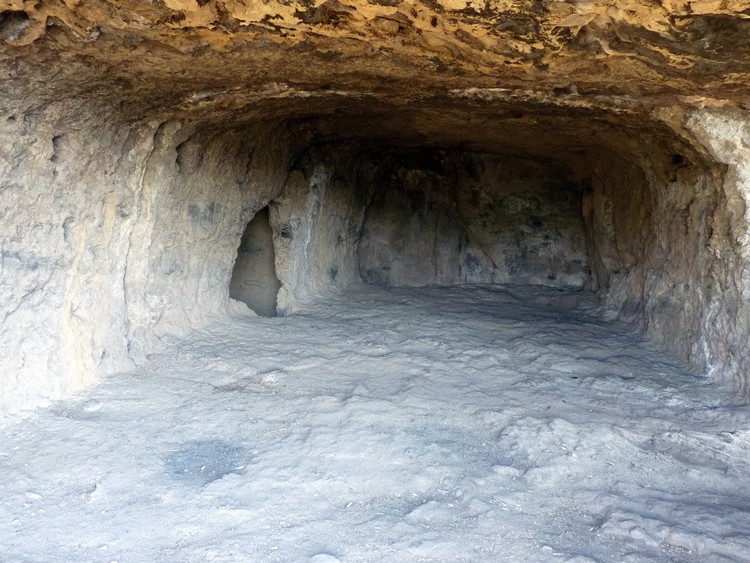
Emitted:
<point x="669" y="243"/>
<point x="67" y="198"/>
<point x="115" y="241"/>
<point x="317" y="224"/>
<point x="648" y="237"/>
<point x="446" y="218"/>
<point x="199" y="192"/>
<point x="725" y="324"/>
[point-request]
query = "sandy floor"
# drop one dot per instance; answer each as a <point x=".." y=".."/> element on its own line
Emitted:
<point x="473" y="424"/>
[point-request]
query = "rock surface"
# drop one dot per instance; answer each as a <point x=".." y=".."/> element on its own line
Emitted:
<point x="138" y="139"/>
<point x="468" y="218"/>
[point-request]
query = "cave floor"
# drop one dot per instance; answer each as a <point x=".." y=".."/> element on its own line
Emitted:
<point x="473" y="424"/>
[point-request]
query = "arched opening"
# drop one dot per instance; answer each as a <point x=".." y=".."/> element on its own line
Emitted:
<point x="254" y="280"/>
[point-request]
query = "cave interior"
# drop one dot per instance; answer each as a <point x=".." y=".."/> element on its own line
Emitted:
<point x="395" y="145"/>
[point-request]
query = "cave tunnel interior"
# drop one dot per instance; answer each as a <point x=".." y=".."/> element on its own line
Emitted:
<point x="375" y="280"/>
<point x="476" y="193"/>
<point x="286" y="201"/>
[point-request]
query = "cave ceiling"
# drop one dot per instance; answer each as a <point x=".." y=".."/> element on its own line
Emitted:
<point x="420" y="60"/>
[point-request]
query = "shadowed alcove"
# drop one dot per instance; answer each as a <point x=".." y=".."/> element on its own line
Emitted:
<point x="254" y="280"/>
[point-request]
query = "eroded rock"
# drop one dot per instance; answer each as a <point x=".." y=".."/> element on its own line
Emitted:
<point x="137" y="140"/>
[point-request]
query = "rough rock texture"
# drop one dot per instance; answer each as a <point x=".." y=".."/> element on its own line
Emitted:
<point x="113" y="244"/>
<point x="138" y="139"/>
<point x="650" y="237"/>
<point x="447" y="219"/>
<point x="317" y="223"/>
<point x="725" y="322"/>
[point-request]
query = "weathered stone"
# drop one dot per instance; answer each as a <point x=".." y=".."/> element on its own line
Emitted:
<point x="137" y="140"/>
<point x="469" y="218"/>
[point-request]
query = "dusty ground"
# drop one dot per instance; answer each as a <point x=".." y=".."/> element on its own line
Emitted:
<point x="417" y="425"/>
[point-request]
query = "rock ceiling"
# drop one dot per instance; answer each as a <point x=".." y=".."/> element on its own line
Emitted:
<point x="243" y="59"/>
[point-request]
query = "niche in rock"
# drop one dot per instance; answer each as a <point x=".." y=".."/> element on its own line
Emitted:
<point x="254" y="280"/>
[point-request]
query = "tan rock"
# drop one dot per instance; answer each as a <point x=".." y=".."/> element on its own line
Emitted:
<point x="138" y="139"/>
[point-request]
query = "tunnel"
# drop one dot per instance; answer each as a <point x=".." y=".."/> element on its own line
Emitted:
<point x="441" y="148"/>
<point x="577" y="200"/>
<point x="457" y="190"/>
<point x="374" y="280"/>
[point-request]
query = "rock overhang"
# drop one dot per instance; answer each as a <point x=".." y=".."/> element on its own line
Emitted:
<point x="177" y="57"/>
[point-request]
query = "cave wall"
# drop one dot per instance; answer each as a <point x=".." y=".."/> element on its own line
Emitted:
<point x="648" y="235"/>
<point x="447" y="218"/>
<point x="317" y="222"/>
<point x="668" y="241"/>
<point x="725" y="325"/>
<point x="67" y="200"/>
<point x="414" y="218"/>
<point x="200" y="191"/>
<point x="116" y="240"/>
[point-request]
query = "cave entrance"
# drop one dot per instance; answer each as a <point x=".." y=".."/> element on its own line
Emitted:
<point x="254" y="280"/>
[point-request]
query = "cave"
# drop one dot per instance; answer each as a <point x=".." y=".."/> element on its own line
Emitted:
<point x="627" y="209"/>
<point x="639" y="198"/>
<point x="167" y="167"/>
